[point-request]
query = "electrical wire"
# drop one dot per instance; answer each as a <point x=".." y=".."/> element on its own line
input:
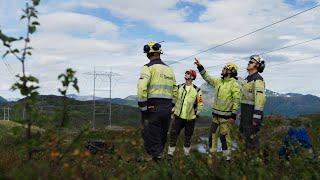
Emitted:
<point x="273" y="50"/>
<point x="247" y="34"/>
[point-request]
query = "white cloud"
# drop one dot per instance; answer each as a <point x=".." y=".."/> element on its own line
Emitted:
<point x="73" y="23"/>
<point x="69" y="39"/>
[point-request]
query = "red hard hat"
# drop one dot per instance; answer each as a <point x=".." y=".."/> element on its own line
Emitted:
<point x="192" y="73"/>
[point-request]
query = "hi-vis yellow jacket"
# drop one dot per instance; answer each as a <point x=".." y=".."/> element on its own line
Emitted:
<point x="157" y="81"/>
<point x="189" y="103"/>
<point x="227" y="95"/>
<point x="253" y="94"/>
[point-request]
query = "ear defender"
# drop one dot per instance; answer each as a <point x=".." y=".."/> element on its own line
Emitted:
<point x="261" y="67"/>
<point x="152" y="47"/>
<point x="146" y="49"/>
<point x="156" y="46"/>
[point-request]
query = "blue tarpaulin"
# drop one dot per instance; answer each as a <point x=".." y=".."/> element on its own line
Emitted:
<point x="296" y="140"/>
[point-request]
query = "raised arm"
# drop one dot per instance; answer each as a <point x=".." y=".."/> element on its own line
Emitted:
<point x="205" y="75"/>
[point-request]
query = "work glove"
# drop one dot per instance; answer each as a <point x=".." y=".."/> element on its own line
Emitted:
<point x="197" y="63"/>
<point x="234" y="116"/>
<point x="232" y="121"/>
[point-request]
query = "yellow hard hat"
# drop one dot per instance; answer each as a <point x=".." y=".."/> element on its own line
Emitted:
<point x="231" y="66"/>
<point x="152" y="47"/>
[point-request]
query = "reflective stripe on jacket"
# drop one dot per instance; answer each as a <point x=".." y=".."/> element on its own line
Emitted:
<point x="227" y="94"/>
<point x="189" y="104"/>
<point x="157" y="81"/>
<point x="253" y="93"/>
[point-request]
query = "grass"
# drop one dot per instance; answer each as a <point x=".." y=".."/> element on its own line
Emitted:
<point x="11" y="128"/>
<point x="64" y="157"/>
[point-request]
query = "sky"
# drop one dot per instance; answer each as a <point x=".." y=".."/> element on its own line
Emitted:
<point x="110" y="34"/>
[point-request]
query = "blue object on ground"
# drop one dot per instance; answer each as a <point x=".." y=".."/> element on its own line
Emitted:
<point x="295" y="138"/>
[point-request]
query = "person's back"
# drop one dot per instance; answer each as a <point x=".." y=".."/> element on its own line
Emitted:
<point x="156" y="96"/>
<point x="162" y="81"/>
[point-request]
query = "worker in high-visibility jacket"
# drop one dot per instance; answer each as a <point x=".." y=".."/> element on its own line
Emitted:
<point x="252" y="102"/>
<point x="186" y="110"/>
<point x="157" y="92"/>
<point x="225" y="105"/>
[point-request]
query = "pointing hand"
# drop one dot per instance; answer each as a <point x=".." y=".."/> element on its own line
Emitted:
<point x="197" y="62"/>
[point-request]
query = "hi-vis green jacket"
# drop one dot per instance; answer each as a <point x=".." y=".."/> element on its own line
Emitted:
<point x="253" y="94"/>
<point x="157" y="81"/>
<point x="189" y="104"/>
<point x="227" y="95"/>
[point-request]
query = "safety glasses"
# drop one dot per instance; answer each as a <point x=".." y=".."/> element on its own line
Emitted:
<point x="252" y="62"/>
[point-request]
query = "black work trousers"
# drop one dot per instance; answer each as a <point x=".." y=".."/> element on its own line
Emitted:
<point x="155" y="130"/>
<point x="247" y="130"/>
<point x="177" y="125"/>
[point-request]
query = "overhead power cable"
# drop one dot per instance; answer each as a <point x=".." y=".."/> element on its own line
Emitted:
<point x="8" y="67"/>
<point x="288" y="62"/>
<point x="248" y="34"/>
<point x="290" y="46"/>
<point x="273" y="50"/>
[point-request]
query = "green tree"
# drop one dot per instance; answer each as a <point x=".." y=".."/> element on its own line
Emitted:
<point x="67" y="79"/>
<point x="26" y="84"/>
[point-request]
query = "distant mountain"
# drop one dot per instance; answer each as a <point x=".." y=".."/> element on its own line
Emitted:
<point x="81" y="112"/>
<point x="3" y="100"/>
<point x="270" y="93"/>
<point x="129" y="101"/>
<point x="131" y="98"/>
<point x="290" y="104"/>
<point x="13" y="99"/>
<point x="82" y="98"/>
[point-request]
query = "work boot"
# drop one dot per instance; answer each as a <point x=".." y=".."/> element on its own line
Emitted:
<point x="171" y="150"/>
<point x="186" y="151"/>
<point x="227" y="155"/>
<point x="157" y="158"/>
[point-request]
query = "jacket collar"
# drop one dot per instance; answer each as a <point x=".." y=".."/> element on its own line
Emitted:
<point x="155" y="61"/>
<point x="252" y="76"/>
<point x="226" y="79"/>
<point x="185" y="85"/>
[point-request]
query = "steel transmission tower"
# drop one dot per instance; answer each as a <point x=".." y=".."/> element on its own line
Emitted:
<point x="107" y="77"/>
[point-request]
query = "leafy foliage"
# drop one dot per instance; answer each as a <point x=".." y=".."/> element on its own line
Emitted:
<point x="26" y="84"/>
<point x="67" y="79"/>
<point x="30" y="14"/>
<point x="64" y="156"/>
